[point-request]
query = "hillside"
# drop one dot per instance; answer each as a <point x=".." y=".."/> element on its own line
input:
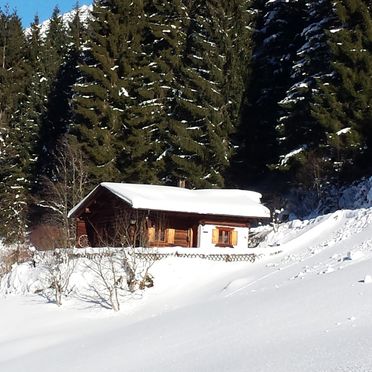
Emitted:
<point x="66" y="18"/>
<point x="304" y="305"/>
<point x="261" y="95"/>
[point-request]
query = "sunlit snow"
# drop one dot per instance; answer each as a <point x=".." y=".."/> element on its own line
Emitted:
<point x="304" y="305"/>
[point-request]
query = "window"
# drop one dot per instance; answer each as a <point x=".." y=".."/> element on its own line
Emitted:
<point x="160" y="235"/>
<point x="224" y="237"/>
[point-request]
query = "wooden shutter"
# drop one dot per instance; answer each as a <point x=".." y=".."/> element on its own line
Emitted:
<point x="151" y="234"/>
<point x="170" y="236"/>
<point x="215" y="236"/>
<point x="234" y="237"/>
<point x="190" y="237"/>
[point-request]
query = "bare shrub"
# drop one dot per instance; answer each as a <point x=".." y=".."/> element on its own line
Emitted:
<point x="7" y="260"/>
<point x="129" y="231"/>
<point x="119" y="271"/>
<point x="64" y="189"/>
<point x="107" y="268"/>
<point x="121" y="265"/>
<point x="60" y="267"/>
<point x="258" y="235"/>
<point x="137" y="268"/>
<point x="13" y="255"/>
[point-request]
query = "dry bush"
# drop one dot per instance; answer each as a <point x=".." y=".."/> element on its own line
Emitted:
<point x="107" y="268"/>
<point x="60" y="267"/>
<point x="11" y="256"/>
<point x="129" y="231"/>
<point x="120" y="266"/>
<point x="62" y="191"/>
<point x="119" y="271"/>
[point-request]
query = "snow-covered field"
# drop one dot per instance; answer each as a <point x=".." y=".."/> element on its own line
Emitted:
<point x="308" y="307"/>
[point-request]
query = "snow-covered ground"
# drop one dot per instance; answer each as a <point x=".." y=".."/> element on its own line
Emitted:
<point x="304" y="305"/>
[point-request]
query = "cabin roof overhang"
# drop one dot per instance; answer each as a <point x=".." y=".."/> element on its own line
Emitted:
<point x="219" y="202"/>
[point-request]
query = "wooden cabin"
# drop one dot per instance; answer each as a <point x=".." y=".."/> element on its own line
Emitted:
<point x="122" y="214"/>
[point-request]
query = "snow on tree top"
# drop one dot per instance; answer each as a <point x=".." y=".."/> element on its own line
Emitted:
<point x="84" y="13"/>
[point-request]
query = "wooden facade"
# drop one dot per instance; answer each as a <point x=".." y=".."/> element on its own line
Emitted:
<point x="104" y="219"/>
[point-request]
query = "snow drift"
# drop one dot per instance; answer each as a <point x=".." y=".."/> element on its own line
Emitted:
<point x="304" y="305"/>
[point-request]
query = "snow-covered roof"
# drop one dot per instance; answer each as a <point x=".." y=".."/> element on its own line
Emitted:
<point x="226" y="202"/>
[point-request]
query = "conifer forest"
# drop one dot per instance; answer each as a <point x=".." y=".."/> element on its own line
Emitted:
<point x="268" y="95"/>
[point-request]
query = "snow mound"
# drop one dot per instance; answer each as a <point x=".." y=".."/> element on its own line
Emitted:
<point x="367" y="279"/>
<point x="23" y="279"/>
<point x="359" y="195"/>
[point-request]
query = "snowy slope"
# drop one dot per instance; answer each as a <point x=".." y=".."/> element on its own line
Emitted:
<point x="306" y="308"/>
<point x="85" y="11"/>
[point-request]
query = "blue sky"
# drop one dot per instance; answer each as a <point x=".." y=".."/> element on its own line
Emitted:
<point x="27" y="9"/>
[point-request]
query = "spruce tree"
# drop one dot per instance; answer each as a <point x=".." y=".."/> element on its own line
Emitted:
<point x="239" y="20"/>
<point x="32" y="104"/>
<point x="163" y="38"/>
<point x="204" y="67"/>
<point x="25" y="124"/>
<point x="170" y="73"/>
<point x="12" y="42"/>
<point x="102" y="91"/>
<point x="64" y="41"/>
<point x="277" y="38"/>
<point x="343" y="106"/>
<point x="13" y="76"/>
<point x="205" y="109"/>
<point x="300" y="135"/>
<point x="152" y="87"/>
<point x="54" y="120"/>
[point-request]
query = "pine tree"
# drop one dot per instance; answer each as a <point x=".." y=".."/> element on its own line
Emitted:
<point x="169" y="73"/>
<point x="25" y="124"/>
<point x="58" y="78"/>
<point x="76" y="34"/>
<point x="102" y="92"/>
<point x="241" y="18"/>
<point x="13" y="207"/>
<point x="204" y="71"/>
<point x="65" y="43"/>
<point x="238" y="50"/>
<point x="203" y="118"/>
<point x="26" y="121"/>
<point x="343" y="106"/>
<point x="276" y="40"/>
<point x="300" y="135"/>
<point x="152" y="87"/>
<point x="11" y="63"/>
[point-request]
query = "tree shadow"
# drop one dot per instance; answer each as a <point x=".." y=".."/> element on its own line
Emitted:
<point x="94" y="297"/>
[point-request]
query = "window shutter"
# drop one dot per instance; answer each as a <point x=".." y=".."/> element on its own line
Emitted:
<point x="234" y="237"/>
<point x="170" y="236"/>
<point x="190" y="237"/>
<point x="215" y="236"/>
<point x="151" y="234"/>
